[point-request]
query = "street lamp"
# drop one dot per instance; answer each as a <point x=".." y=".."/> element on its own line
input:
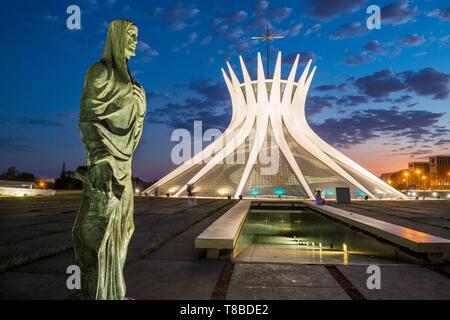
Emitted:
<point x="406" y="174"/>
<point x="418" y="180"/>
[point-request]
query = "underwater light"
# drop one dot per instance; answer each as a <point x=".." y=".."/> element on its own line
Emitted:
<point x="279" y="191"/>
<point x="255" y="191"/>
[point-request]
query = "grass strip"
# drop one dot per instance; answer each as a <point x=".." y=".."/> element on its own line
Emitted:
<point x="20" y="260"/>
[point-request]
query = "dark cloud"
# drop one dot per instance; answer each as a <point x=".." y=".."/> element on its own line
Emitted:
<point x="209" y="103"/>
<point x="359" y="58"/>
<point x="412" y="105"/>
<point x="214" y="91"/>
<point x="235" y="17"/>
<point x="443" y="14"/>
<point x="380" y="84"/>
<point x="280" y="14"/>
<point x="398" y="13"/>
<point x="372" y="46"/>
<point x="157" y="95"/>
<point x="293" y="30"/>
<point x="326" y="87"/>
<point x="427" y="82"/>
<point x="361" y="126"/>
<point x="442" y="142"/>
<point x="352" y="100"/>
<point x="412" y="40"/>
<point x="326" y="9"/>
<point x="30" y="121"/>
<point x="304" y="57"/>
<point x="403" y="98"/>
<point x="13" y="144"/>
<point x="384" y="49"/>
<point x="146" y="51"/>
<point x="350" y="30"/>
<point x="260" y="7"/>
<point x="315" y="28"/>
<point x="178" y="17"/>
<point x="315" y="104"/>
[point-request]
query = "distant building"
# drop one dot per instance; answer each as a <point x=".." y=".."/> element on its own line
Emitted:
<point x="432" y="174"/>
<point x="440" y="171"/>
<point x="419" y="166"/>
<point x="398" y="179"/>
<point x="22" y="188"/>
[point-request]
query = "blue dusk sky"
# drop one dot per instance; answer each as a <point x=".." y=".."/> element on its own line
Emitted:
<point x="380" y="96"/>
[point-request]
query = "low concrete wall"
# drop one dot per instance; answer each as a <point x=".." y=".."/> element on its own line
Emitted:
<point x="223" y="234"/>
<point x="21" y="192"/>
<point x="416" y="241"/>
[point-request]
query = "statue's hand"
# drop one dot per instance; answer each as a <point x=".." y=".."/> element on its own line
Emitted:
<point x="139" y="92"/>
<point x="101" y="177"/>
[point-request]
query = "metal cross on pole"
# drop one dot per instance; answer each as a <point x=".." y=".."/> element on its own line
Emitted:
<point x="267" y="37"/>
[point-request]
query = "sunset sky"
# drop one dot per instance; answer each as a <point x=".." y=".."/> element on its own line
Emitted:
<point x="379" y="96"/>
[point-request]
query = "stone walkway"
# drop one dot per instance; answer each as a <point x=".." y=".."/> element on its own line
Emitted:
<point x="163" y="263"/>
<point x="36" y="243"/>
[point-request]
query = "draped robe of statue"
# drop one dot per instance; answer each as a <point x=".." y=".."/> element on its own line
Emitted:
<point x="111" y="121"/>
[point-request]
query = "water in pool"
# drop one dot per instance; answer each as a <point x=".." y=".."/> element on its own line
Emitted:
<point x="305" y="236"/>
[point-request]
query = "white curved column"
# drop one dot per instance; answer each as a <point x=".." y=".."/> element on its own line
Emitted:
<point x="277" y="127"/>
<point x="240" y="136"/>
<point x="237" y="104"/>
<point x="294" y="128"/>
<point x="299" y="105"/>
<point x="262" y="119"/>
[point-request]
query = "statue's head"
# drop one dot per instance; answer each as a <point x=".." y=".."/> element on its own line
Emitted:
<point x="131" y="41"/>
<point x="120" y="44"/>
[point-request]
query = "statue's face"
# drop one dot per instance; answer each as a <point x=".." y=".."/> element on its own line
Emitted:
<point x="131" y="41"/>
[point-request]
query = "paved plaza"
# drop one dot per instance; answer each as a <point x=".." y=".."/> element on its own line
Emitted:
<point x="36" y="248"/>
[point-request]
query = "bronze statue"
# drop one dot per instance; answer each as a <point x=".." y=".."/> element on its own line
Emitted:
<point x="113" y="107"/>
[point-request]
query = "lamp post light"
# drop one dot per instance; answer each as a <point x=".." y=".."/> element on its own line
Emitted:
<point x="406" y="174"/>
<point x="418" y="172"/>
<point x="448" y="179"/>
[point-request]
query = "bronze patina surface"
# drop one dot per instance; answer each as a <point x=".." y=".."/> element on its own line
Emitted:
<point x="113" y="108"/>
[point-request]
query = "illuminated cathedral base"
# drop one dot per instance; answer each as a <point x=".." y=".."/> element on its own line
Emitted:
<point x="269" y="119"/>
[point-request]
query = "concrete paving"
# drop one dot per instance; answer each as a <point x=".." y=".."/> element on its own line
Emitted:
<point x="283" y="281"/>
<point x="164" y="264"/>
<point x="401" y="283"/>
